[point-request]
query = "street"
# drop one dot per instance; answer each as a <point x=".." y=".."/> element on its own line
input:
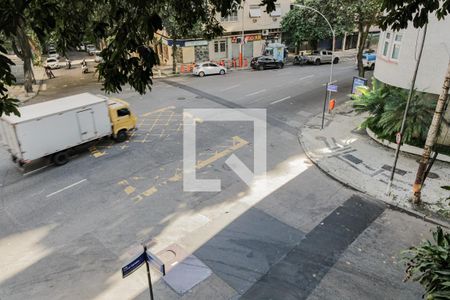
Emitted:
<point x="67" y="231"/>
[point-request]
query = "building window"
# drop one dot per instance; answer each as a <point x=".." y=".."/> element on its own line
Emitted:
<point x="232" y="16"/>
<point x="387" y="39"/>
<point x="396" y="46"/>
<point x="276" y="12"/>
<point x="220" y="46"/>
<point x="255" y="11"/>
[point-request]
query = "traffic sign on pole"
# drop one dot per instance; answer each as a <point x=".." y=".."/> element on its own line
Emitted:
<point x="332" y="88"/>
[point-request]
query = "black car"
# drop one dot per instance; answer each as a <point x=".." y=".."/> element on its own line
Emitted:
<point x="266" y="62"/>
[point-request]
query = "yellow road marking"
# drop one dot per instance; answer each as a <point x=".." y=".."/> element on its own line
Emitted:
<point x="150" y="191"/>
<point x="237" y="144"/>
<point x="95" y="152"/>
<point x="129" y="189"/>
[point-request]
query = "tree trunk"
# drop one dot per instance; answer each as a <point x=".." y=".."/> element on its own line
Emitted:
<point x="174" y="57"/>
<point x="431" y="139"/>
<point x="26" y="55"/>
<point x="362" y="38"/>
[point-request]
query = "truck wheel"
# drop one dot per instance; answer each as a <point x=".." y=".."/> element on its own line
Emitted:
<point x="317" y="62"/>
<point x="336" y="60"/>
<point x="121" y="136"/>
<point x="60" y="158"/>
<point x="372" y="67"/>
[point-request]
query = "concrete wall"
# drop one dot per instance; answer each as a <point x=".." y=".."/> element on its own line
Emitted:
<point x="435" y="57"/>
<point x="433" y="66"/>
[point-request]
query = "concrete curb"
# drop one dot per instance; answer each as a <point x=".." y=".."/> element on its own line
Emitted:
<point x="425" y="215"/>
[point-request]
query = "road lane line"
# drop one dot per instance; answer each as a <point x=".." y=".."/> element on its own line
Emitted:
<point x="280" y="100"/>
<point x="306" y="77"/>
<point x="67" y="187"/>
<point x="255" y="93"/>
<point x="230" y="87"/>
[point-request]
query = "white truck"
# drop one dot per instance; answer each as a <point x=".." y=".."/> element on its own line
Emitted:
<point x="54" y="128"/>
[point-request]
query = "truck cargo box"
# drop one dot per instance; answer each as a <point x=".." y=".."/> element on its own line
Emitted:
<point x="56" y="125"/>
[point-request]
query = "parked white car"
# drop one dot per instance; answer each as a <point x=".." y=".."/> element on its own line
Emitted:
<point x="318" y="57"/>
<point x="90" y="49"/>
<point x="53" y="54"/>
<point x="208" y="68"/>
<point x="53" y="63"/>
<point x="97" y="56"/>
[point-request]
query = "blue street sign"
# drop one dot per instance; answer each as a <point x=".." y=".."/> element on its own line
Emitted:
<point x="133" y="265"/>
<point x="155" y="262"/>
<point x="358" y="81"/>
<point x="332" y="88"/>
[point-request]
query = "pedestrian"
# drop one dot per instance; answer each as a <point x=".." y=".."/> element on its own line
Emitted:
<point x="49" y="73"/>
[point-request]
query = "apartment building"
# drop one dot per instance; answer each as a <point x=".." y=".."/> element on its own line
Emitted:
<point x="248" y="19"/>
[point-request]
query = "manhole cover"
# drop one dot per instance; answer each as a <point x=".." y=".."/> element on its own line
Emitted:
<point x="181" y="98"/>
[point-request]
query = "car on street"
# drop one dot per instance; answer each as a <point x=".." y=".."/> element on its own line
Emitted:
<point x="368" y="60"/>
<point x="97" y="57"/>
<point x="53" y="54"/>
<point x="90" y="49"/>
<point x="208" y="68"/>
<point x="265" y="62"/>
<point x="318" y="57"/>
<point x="53" y="63"/>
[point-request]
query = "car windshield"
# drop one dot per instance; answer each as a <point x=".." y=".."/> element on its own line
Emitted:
<point x="51" y="60"/>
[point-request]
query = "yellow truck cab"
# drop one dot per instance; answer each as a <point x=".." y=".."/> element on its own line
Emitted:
<point x="122" y="119"/>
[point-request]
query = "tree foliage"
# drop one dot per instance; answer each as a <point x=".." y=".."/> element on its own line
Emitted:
<point x="302" y="24"/>
<point x="127" y="26"/>
<point x="400" y="12"/>
<point x="386" y="105"/>
<point x="429" y="264"/>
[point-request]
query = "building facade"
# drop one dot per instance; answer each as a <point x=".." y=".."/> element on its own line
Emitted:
<point x="397" y="54"/>
<point x="258" y="26"/>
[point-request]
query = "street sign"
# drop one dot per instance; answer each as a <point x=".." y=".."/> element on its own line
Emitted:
<point x="332" y="88"/>
<point x="398" y="138"/>
<point x="133" y="265"/>
<point x="156" y="262"/>
<point x="358" y="81"/>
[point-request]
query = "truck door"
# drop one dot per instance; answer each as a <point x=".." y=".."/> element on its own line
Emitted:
<point x="86" y="124"/>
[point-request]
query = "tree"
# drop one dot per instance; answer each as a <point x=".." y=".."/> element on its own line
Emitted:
<point x="127" y="26"/>
<point x="398" y="15"/>
<point x="302" y="24"/>
<point x="365" y="13"/>
<point x="177" y="30"/>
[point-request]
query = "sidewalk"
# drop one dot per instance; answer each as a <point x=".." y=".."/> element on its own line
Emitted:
<point x="349" y="155"/>
<point x="18" y="92"/>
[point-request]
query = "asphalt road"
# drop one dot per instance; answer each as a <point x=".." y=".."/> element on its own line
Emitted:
<point x="65" y="232"/>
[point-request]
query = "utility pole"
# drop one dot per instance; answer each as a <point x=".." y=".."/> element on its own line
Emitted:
<point x="431" y="139"/>
<point x="405" y="114"/>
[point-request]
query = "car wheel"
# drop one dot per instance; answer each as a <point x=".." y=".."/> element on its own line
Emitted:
<point x="336" y="60"/>
<point x="280" y="65"/>
<point x="222" y="72"/>
<point x="260" y="67"/>
<point x="317" y="62"/>
<point x="296" y="61"/>
<point x="201" y="74"/>
<point x="121" y="136"/>
<point x="60" y="158"/>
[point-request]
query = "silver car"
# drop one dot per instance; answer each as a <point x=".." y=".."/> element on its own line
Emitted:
<point x="208" y="68"/>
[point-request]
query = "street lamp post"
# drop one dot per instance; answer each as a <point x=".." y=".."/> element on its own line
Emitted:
<point x="332" y="57"/>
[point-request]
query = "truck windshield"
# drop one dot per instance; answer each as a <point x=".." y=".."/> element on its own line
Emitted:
<point x="123" y="112"/>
